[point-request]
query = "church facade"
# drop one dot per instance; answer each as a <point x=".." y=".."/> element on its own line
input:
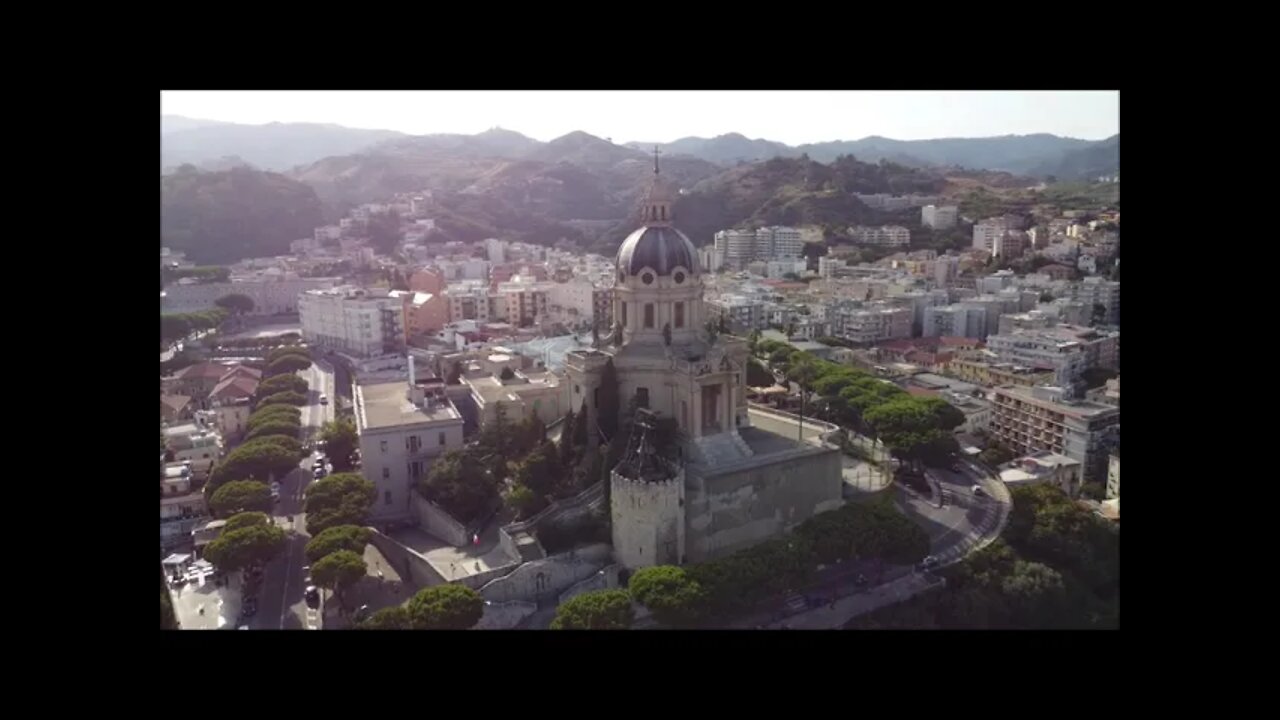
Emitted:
<point x="736" y="485"/>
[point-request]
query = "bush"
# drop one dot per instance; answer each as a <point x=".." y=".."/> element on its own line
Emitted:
<point x="599" y="610"/>
<point x="559" y="536"/>
<point x="446" y="607"/>
<point x="675" y="599"/>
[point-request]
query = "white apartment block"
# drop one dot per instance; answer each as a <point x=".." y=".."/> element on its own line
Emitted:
<point x="740" y="247"/>
<point x="496" y="249"/>
<point x="463" y="269"/>
<point x="890" y="235"/>
<point x="955" y="320"/>
<point x="526" y="302"/>
<point x="874" y="324"/>
<point x="1095" y="290"/>
<point x="741" y="314"/>
<point x="404" y="427"/>
<point x="939" y="217"/>
<point x="273" y="293"/>
<point x="473" y="301"/>
<point x="996" y="281"/>
<point x="1067" y="350"/>
<point x="572" y="302"/>
<point x="712" y="258"/>
<point x="1038" y="419"/>
<point x="360" y="323"/>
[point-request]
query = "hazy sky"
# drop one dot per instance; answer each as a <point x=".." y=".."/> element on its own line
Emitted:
<point x="792" y="117"/>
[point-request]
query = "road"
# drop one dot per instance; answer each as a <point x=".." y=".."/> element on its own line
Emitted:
<point x="280" y="603"/>
<point x="964" y="517"/>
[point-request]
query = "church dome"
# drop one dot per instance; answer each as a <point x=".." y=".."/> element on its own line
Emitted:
<point x="659" y="247"/>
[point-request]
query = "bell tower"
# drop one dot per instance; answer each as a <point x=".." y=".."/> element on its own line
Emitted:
<point x="657" y="204"/>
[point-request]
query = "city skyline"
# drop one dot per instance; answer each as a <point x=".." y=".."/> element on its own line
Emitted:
<point x="792" y="117"/>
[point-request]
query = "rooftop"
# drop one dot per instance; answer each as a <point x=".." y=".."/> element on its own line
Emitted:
<point x="387" y="405"/>
<point x="1044" y="395"/>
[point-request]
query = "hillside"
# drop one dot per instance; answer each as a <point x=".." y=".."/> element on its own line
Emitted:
<point x="1086" y="163"/>
<point x="729" y="149"/>
<point x="1022" y="154"/>
<point x="788" y="191"/>
<point x="221" y="217"/>
<point x="275" y="146"/>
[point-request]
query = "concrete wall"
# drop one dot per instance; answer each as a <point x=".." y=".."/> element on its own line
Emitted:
<point x="738" y="509"/>
<point x="438" y="523"/>
<point x="648" y="525"/>
<point x="504" y="616"/>
<point x="546" y="579"/>
<point x="409" y="564"/>
<point x="607" y="578"/>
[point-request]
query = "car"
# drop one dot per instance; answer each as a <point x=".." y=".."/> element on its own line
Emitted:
<point x="324" y="399"/>
<point x="317" y="473"/>
<point x="929" y="562"/>
<point x="977" y="491"/>
<point x="312" y="597"/>
<point x="319" y="463"/>
<point x="860" y="580"/>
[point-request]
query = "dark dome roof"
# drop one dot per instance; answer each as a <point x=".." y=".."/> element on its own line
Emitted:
<point x="662" y="248"/>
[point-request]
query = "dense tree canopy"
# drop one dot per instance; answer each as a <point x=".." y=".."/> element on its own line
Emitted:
<point x="239" y="497"/>
<point x="246" y="519"/>
<point x="340" y="499"/>
<point x="263" y="459"/>
<point x="446" y="607"/>
<point x="277" y="353"/>
<point x="338" y="570"/>
<point x="341" y="440"/>
<point x="757" y="375"/>
<point x="675" y="599"/>
<point x="277" y="412"/>
<point x="284" y="398"/>
<point x="598" y="610"/>
<point x="340" y="537"/>
<point x="282" y="383"/>
<point x="391" y="618"/>
<point x="235" y="303"/>
<point x="459" y="483"/>
<point x="245" y="546"/>
<point x="285" y="428"/>
<point x="290" y="363"/>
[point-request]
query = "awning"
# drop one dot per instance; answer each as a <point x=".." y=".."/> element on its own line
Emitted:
<point x="176" y="559"/>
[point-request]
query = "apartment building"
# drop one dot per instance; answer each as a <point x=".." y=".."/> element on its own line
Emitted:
<point x="354" y="321"/>
<point x="889" y="235"/>
<point x="741" y="247"/>
<point x="740" y="313"/>
<point x="526" y="301"/>
<point x="1041" y="419"/>
<point x="182" y="508"/>
<point x="956" y="319"/>
<point x="522" y="396"/>
<point x="1067" y="350"/>
<point x="404" y="427"/>
<point x="873" y="324"/>
<point x="1044" y="468"/>
<point x="939" y="217"/>
<point x="983" y="369"/>
<point x="1097" y="291"/>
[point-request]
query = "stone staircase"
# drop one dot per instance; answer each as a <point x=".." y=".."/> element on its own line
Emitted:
<point x="720" y="449"/>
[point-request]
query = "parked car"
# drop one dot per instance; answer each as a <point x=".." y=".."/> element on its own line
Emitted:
<point x="319" y="463"/>
<point x="929" y="562"/>
<point x="977" y="491"/>
<point x="313" y="597"/>
<point x="324" y="399"/>
<point x="318" y="473"/>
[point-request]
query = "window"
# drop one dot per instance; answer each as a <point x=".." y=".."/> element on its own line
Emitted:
<point x="648" y="315"/>
<point x="383" y="445"/>
<point x="624" y="314"/>
<point x="386" y="497"/>
<point x="679" y="314"/>
<point x="413" y="443"/>
<point x="642" y="397"/>
<point x="441" y="439"/>
<point x="386" y="473"/>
